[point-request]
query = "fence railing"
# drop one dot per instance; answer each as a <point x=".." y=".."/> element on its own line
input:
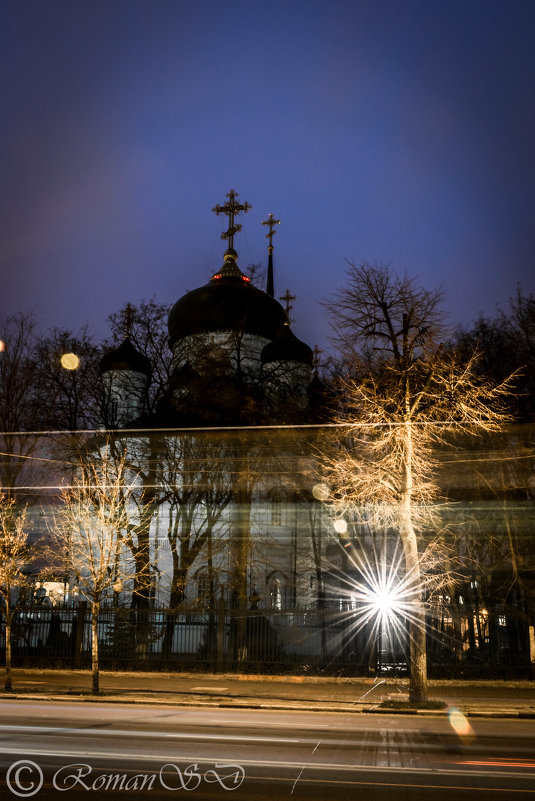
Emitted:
<point x="273" y="641"/>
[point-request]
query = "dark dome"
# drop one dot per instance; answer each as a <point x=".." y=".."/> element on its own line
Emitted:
<point x="226" y="303"/>
<point x="125" y="357"/>
<point x="287" y="348"/>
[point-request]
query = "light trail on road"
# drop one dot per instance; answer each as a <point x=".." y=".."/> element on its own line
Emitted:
<point x="306" y="756"/>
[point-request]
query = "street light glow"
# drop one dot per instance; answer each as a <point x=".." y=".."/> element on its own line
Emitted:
<point x="70" y="361"/>
<point x="321" y="491"/>
<point x="377" y="592"/>
<point x="340" y="526"/>
<point x="384" y="601"/>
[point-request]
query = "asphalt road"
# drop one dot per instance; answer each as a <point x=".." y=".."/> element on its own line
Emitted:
<point x="106" y="751"/>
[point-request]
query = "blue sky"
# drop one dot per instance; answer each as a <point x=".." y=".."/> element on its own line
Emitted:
<point x="389" y="132"/>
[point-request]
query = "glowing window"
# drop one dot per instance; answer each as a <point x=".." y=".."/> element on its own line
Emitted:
<point x="275" y="592"/>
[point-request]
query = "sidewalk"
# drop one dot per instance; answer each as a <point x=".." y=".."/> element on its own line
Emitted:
<point x="483" y="698"/>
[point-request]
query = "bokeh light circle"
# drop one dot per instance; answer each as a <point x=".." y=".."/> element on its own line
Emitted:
<point x="321" y="492"/>
<point x="340" y="526"/>
<point x="70" y="361"/>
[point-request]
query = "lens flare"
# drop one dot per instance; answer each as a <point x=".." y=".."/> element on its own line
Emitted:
<point x="340" y="526"/>
<point x="321" y="492"/>
<point x="70" y="361"/>
<point x="379" y="598"/>
<point x="460" y="725"/>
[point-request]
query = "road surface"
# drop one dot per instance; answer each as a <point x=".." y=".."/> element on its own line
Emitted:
<point x="107" y="751"/>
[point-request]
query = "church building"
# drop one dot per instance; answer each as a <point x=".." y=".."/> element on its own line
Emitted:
<point x="232" y="514"/>
<point x="236" y="360"/>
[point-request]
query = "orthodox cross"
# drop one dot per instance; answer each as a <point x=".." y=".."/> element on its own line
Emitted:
<point x="231" y="208"/>
<point x="287" y="298"/>
<point x="271" y="221"/>
<point x="316" y="357"/>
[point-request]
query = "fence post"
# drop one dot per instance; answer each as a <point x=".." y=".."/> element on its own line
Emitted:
<point x="80" y="624"/>
<point x="220" y="658"/>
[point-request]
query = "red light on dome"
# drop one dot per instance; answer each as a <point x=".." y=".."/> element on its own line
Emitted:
<point x="220" y="275"/>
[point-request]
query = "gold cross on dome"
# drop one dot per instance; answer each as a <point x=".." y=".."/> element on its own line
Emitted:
<point x="287" y="298"/>
<point x="231" y="208"/>
<point x="316" y="356"/>
<point x="271" y="221"/>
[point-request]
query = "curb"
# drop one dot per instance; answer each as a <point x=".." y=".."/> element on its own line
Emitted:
<point x="242" y="703"/>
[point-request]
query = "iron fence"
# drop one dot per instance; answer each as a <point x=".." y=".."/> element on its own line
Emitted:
<point x="324" y="641"/>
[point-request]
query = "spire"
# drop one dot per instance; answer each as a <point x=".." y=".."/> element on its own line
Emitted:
<point x="270" y="290"/>
<point x="232" y="208"/>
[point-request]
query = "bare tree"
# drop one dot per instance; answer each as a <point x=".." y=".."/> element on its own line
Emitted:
<point x="406" y="394"/>
<point x="21" y="410"/>
<point x="195" y="478"/>
<point x="94" y="536"/>
<point x="15" y="559"/>
<point x="146" y="326"/>
<point x="507" y="343"/>
<point x="69" y="380"/>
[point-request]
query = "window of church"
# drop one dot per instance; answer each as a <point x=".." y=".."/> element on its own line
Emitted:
<point x="203" y="587"/>
<point x="275" y="592"/>
<point x="277" y="509"/>
<point x="276" y="512"/>
<point x="114" y="411"/>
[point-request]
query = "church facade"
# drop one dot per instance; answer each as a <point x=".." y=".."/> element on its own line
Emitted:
<point x="234" y="514"/>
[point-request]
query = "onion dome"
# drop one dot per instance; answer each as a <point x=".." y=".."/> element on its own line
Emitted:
<point x="287" y="348"/>
<point x="127" y="358"/>
<point x="228" y="302"/>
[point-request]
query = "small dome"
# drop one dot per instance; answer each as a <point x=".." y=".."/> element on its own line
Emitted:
<point x="228" y="302"/>
<point x="287" y="348"/>
<point x="125" y="357"/>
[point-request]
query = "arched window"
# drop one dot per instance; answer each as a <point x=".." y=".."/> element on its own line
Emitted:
<point x="275" y="588"/>
<point x="114" y="411"/>
<point x="276" y="512"/>
<point x="203" y="587"/>
<point x="277" y="508"/>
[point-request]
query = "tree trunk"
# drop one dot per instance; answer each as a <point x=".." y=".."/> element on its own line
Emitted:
<point x="8" y="686"/>
<point x="95" y="677"/>
<point x="417" y="622"/>
<point x="240" y="547"/>
<point x="418" y="653"/>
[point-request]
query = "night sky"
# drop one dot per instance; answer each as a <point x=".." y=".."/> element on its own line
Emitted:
<point x="390" y="132"/>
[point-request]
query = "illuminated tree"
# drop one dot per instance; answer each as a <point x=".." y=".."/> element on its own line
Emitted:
<point x="15" y="558"/>
<point x="402" y="396"/>
<point x="95" y="536"/>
